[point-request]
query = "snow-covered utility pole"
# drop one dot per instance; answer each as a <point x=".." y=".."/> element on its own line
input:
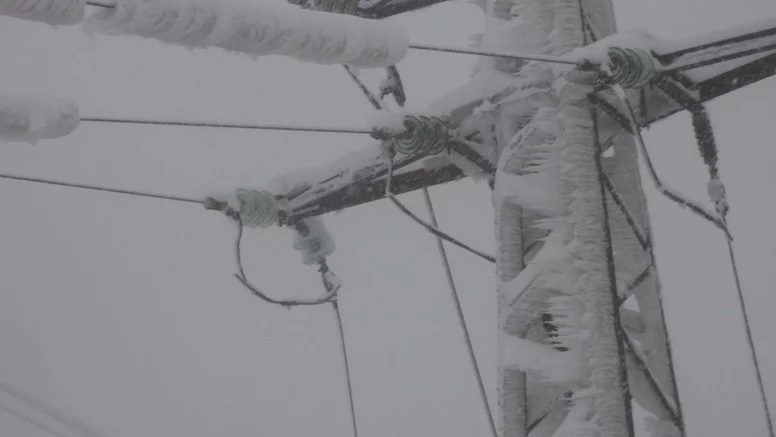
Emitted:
<point x="573" y="350"/>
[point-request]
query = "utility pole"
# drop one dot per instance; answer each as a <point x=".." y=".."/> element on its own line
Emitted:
<point x="625" y="353"/>
<point x="588" y="310"/>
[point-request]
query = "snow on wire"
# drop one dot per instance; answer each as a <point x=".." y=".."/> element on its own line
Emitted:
<point x="53" y="12"/>
<point x="33" y="118"/>
<point x="257" y="29"/>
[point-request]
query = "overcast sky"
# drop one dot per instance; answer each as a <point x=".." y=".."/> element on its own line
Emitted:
<point x="123" y="311"/>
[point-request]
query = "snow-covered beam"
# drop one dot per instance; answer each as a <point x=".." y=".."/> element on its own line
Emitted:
<point x="737" y="78"/>
<point x="388" y="8"/>
<point x="359" y="193"/>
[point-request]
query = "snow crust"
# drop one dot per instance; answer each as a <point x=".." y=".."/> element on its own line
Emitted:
<point x="257" y="29"/>
<point x="597" y="52"/>
<point x="527" y="355"/>
<point x="53" y="12"/>
<point x="29" y="119"/>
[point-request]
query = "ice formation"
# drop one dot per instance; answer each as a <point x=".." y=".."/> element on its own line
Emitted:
<point x="32" y="118"/>
<point x="313" y="240"/>
<point x="257" y="29"/>
<point x="54" y="12"/>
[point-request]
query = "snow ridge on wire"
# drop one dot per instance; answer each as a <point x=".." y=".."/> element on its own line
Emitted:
<point x="53" y="12"/>
<point x="257" y="29"/>
<point x="33" y="118"/>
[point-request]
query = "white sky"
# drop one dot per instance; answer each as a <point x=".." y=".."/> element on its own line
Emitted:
<point x="123" y="311"/>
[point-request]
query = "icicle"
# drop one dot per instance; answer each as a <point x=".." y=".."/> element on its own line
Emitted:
<point x="258" y="29"/>
<point x="54" y="12"/>
<point x="33" y="118"/>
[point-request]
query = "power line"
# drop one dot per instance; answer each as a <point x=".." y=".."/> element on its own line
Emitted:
<point x="750" y="340"/>
<point x="344" y="350"/>
<point x="30" y="421"/>
<point x="74" y="424"/>
<point x="276" y="127"/>
<point x="101" y="188"/>
<point x="495" y="54"/>
<point x="434" y="48"/>
<point x="459" y="311"/>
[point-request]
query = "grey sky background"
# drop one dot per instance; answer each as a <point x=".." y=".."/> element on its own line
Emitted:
<point x="123" y="311"/>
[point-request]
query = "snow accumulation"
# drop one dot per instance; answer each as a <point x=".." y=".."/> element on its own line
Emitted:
<point x="527" y="356"/>
<point x="53" y="12"/>
<point x="316" y="243"/>
<point x="597" y="52"/>
<point x="668" y="46"/>
<point x="28" y="119"/>
<point x="257" y="29"/>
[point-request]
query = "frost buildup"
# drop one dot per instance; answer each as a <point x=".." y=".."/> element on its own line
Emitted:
<point x="547" y="178"/>
<point x="257" y="29"/>
<point x="28" y="119"/>
<point x="53" y="12"/>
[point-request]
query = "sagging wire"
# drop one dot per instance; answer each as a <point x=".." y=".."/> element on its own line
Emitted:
<point x="667" y="191"/>
<point x="461" y="317"/>
<point x="260" y="209"/>
<point x="74" y="424"/>
<point x="429" y="227"/>
<point x="255" y="210"/>
<point x="424" y="128"/>
<point x="704" y="135"/>
<point x="367" y="93"/>
<point x="440" y="246"/>
<point x="30" y="421"/>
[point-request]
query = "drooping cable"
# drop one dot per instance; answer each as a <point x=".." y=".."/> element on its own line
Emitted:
<point x="704" y="135"/>
<point x="30" y="421"/>
<point x="429" y="227"/>
<point x="348" y="379"/>
<point x="445" y="263"/>
<point x="750" y="341"/>
<point x="74" y="424"/>
<point x="403" y="208"/>
<point x="461" y="317"/>
<point x="709" y="155"/>
<point x="665" y="190"/>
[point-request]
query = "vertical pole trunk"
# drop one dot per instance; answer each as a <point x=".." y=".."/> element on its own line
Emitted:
<point x="597" y="229"/>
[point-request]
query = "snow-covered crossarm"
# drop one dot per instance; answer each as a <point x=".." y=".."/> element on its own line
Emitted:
<point x="257" y="29"/>
<point x="360" y="177"/>
<point x="53" y="12"/>
<point x="374" y="9"/>
<point x="388" y="8"/>
<point x="30" y="119"/>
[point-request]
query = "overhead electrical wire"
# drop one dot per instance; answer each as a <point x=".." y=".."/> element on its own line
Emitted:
<point x="74" y="424"/>
<point x="276" y="127"/>
<point x="101" y="188"/>
<point x="442" y="253"/>
<point x="30" y="421"/>
<point x="722" y="224"/>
